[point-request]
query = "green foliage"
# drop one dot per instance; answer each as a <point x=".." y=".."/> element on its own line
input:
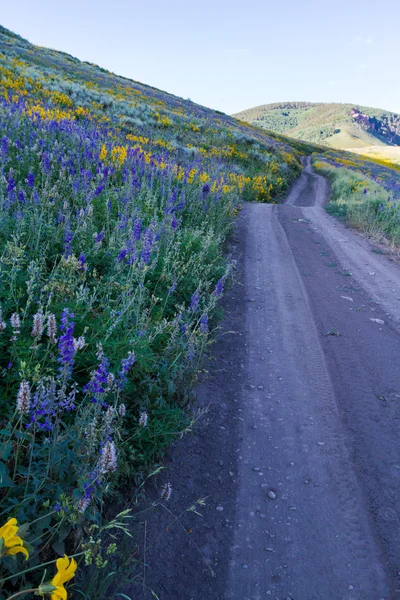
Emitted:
<point x="337" y="125"/>
<point x="361" y="201"/>
<point x="116" y="201"/>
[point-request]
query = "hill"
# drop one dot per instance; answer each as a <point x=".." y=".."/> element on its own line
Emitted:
<point x="343" y="126"/>
<point x="116" y="202"/>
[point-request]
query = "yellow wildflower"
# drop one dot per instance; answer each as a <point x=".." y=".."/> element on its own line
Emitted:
<point x="103" y="152"/>
<point x="12" y="543"/>
<point x="65" y="571"/>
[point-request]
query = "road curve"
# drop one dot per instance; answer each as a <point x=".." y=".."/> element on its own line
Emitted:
<point x="300" y="458"/>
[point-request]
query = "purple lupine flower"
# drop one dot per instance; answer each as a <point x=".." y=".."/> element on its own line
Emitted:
<point x="122" y="255"/>
<point x="172" y="288"/>
<point x="98" y="237"/>
<point x="137" y="230"/>
<point x="66" y="347"/>
<point x="46" y="162"/>
<point x="4" y="146"/>
<point x="126" y="364"/>
<point x="10" y="185"/>
<point x="204" y="323"/>
<point x="219" y="287"/>
<point x="82" y="262"/>
<point x="43" y="407"/>
<point x="21" y="196"/>
<point x="194" y="302"/>
<point x="99" y="380"/>
<point x="98" y="190"/>
<point x="146" y="251"/>
<point x="206" y="189"/>
<point x="31" y="180"/>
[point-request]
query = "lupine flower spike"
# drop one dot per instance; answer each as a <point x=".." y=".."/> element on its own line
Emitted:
<point x="166" y="492"/>
<point x="24" y="397"/>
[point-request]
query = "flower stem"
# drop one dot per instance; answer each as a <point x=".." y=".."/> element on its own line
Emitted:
<point x="50" y="562"/>
<point x="22" y="593"/>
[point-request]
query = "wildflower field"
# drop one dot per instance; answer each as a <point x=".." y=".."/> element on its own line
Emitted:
<point x="116" y="201"/>
<point x="365" y="191"/>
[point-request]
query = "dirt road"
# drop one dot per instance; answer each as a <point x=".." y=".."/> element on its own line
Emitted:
<point x="300" y="454"/>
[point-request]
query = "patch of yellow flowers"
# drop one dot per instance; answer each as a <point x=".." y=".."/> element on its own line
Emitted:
<point x="12" y="544"/>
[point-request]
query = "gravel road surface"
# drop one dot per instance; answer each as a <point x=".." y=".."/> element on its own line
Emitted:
<point x="299" y="453"/>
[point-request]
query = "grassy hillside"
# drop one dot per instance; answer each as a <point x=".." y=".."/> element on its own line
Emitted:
<point x="116" y="200"/>
<point x="337" y="125"/>
<point x="364" y="191"/>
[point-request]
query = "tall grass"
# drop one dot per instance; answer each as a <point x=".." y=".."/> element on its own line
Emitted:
<point x="363" y="202"/>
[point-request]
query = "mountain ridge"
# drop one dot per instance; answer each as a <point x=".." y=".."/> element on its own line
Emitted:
<point x="339" y="125"/>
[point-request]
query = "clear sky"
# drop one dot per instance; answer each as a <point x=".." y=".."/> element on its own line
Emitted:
<point x="226" y="54"/>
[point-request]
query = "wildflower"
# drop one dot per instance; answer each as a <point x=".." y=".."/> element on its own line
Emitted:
<point x="204" y="323"/>
<point x="110" y="382"/>
<point x="122" y="410"/>
<point x="12" y="543"/>
<point x="15" y="324"/>
<point x="66" y="342"/>
<point x="172" y="288"/>
<point x="4" y="146"/>
<point x="24" y="397"/>
<point x="126" y="364"/>
<point x="3" y="324"/>
<point x="37" y="329"/>
<point x="98" y="381"/>
<point x="65" y="572"/>
<point x="82" y="504"/>
<point x="82" y="262"/>
<point x="206" y="189"/>
<point x="219" y="287"/>
<point x="79" y="343"/>
<point x="137" y="230"/>
<point x="52" y="328"/>
<point x="194" y="302"/>
<point x="166" y="492"/>
<point x="108" y="459"/>
<point x="143" y="419"/>
<point x="109" y="416"/>
<point x="31" y="180"/>
<point x="98" y="237"/>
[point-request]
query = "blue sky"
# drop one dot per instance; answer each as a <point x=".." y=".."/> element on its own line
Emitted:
<point x="230" y="55"/>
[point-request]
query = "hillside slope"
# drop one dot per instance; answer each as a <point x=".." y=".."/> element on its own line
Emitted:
<point x="336" y="125"/>
<point x="116" y="201"/>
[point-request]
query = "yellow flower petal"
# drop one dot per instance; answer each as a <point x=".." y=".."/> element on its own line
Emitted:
<point x="59" y="594"/>
<point x="8" y="530"/>
<point x="65" y="570"/>
<point x="17" y="549"/>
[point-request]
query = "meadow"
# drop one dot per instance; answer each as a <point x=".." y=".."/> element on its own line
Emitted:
<point x="364" y="191"/>
<point x="116" y="202"/>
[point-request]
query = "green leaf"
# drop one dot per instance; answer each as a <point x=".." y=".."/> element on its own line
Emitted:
<point x="5" y="450"/>
<point x="5" y="480"/>
<point x="59" y="547"/>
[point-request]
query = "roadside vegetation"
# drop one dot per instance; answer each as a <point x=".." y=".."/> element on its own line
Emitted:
<point x="116" y="201"/>
<point x="366" y="193"/>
